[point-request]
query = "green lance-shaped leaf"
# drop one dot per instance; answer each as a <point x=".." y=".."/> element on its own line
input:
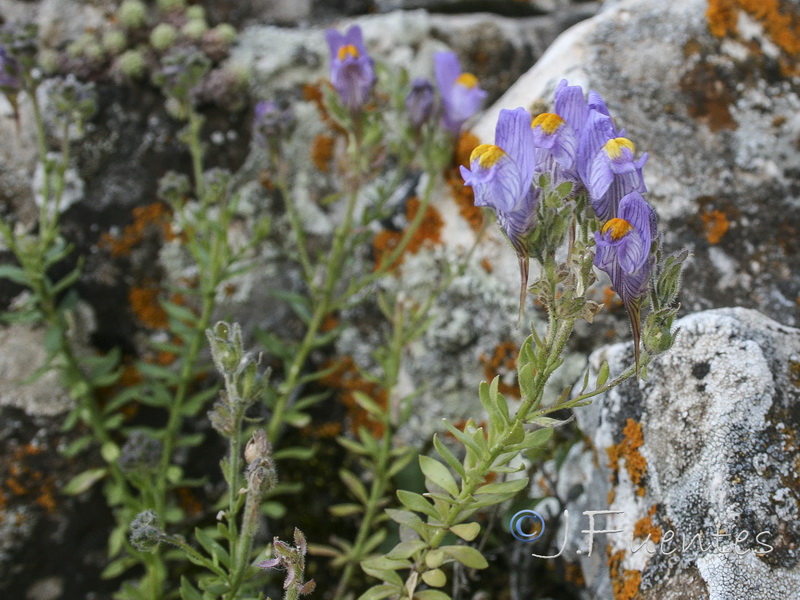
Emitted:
<point x="434" y="578"/>
<point x="466" y="531"/>
<point x="602" y="375"/>
<point x="354" y="485"/>
<point x="438" y="474"/>
<point x="417" y="502"/>
<point x="467" y="556"/>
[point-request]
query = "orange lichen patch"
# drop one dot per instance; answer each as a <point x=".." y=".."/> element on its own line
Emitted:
<point x="574" y="574"/>
<point x="430" y="228"/>
<point x="709" y="96"/>
<point x="716" y="224"/>
<point x="625" y="582"/>
<point x="794" y="373"/>
<point x="628" y="449"/>
<point x="429" y="233"/>
<point x="722" y="16"/>
<point x="328" y="430"/>
<point x="780" y="23"/>
<point x="462" y="194"/>
<point x="322" y="152"/>
<point x="265" y="179"/>
<point x="313" y="93"/>
<point x="22" y="479"/>
<point x="153" y="217"/>
<point x="465" y="144"/>
<point x="644" y="527"/>
<point x="347" y="380"/>
<point x="610" y="299"/>
<point x="189" y="502"/>
<point x="502" y="362"/>
<point x="129" y="377"/>
<point x="329" y="323"/>
<point x="487" y="266"/>
<point x="146" y="307"/>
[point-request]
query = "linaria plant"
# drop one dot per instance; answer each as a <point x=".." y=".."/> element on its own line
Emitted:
<point x="561" y="179"/>
<point x="568" y="193"/>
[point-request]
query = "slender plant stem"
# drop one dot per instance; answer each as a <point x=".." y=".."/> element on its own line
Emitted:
<point x="389" y="261"/>
<point x="321" y="310"/>
<point x="299" y="233"/>
<point x="554" y="342"/>
<point x="187" y="370"/>
<point x="380" y="482"/>
<point x="196" y="151"/>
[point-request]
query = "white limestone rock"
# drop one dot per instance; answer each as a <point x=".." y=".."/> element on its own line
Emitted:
<point x="707" y="444"/>
<point x="719" y="119"/>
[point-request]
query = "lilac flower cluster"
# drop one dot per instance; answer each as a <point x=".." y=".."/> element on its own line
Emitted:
<point x="577" y="144"/>
<point x="353" y="76"/>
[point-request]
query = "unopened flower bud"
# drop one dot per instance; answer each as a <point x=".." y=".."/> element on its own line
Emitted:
<point x="222" y="419"/>
<point x="248" y="382"/>
<point x="300" y="541"/>
<point x="146" y="533"/>
<point x="257" y="447"/>
<point x="173" y="188"/>
<point x="141" y="452"/>
<point x="226" y="346"/>
<point x="10" y="73"/>
<point x="272" y="123"/>
<point x="419" y="102"/>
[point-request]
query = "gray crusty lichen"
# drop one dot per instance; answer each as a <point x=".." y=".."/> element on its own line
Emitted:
<point x="708" y="445"/>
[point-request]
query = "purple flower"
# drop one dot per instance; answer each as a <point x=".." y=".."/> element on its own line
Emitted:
<point x="352" y="73"/>
<point x="623" y="252"/>
<point x="570" y="105"/>
<point x="271" y="123"/>
<point x="10" y="72"/>
<point x="556" y="148"/>
<point x="419" y="102"/>
<point x="613" y="173"/>
<point x="605" y="159"/>
<point x="501" y="177"/>
<point x="461" y="95"/>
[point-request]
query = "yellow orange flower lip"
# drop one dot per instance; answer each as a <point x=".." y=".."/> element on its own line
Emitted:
<point x="549" y="122"/>
<point x="487" y="155"/>
<point x="468" y="80"/>
<point x="347" y="51"/>
<point x="619" y="228"/>
<point x="614" y="146"/>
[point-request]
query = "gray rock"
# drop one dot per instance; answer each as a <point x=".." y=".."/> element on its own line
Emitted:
<point x="718" y="117"/>
<point x="23" y="353"/>
<point x="706" y="445"/>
